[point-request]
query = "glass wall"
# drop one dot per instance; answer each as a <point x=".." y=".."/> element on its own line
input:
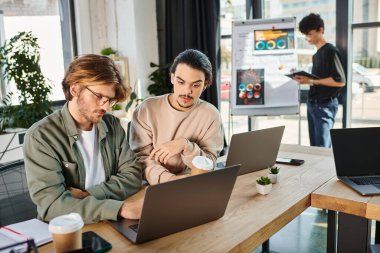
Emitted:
<point x="365" y="106"/>
<point x="234" y="10"/>
<point x="365" y="68"/>
<point x="295" y="133"/>
<point x="42" y="18"/>
<point x="230" y="10"/>
<point x="366" y="11"/>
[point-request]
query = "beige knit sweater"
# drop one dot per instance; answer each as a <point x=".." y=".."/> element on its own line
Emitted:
<point x="155" y="122"/>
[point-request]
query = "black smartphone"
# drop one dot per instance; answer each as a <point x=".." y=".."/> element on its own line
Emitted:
<point x="92" y="240"/>
<point x="290" y="161"/>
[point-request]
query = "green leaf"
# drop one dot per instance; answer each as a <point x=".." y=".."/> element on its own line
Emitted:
<point x="20" y="60"/>
<point x="128" y="105"/>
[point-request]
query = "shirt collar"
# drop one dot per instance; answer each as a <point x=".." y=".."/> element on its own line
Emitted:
<point x="72" y="130"/>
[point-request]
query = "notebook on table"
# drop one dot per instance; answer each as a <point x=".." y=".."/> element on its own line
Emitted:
<point x="254" y="150"/>
<point x="177" y="205"/>
<point x="356" y="155"/>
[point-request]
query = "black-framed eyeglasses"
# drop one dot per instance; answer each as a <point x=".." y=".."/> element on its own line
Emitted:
<point x="101" y="100"/>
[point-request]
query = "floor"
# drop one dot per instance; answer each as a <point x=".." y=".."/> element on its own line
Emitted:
<point x="306" y="233"/>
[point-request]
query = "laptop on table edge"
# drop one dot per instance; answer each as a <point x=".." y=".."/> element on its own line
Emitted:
<point x="255" y="150"/>
<point x="356" y="152"/>
<point x="181" y="204"/>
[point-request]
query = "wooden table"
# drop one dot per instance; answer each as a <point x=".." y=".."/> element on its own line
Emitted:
<point x="354" y="213"/>
<point x="250" y="218"/>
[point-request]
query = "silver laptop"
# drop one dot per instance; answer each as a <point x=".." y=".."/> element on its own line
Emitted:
<point x="356" y="155"/>
<point x="255" y="150"/>
<point x="181" y="204"/>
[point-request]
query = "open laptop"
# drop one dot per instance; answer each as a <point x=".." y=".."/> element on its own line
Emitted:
<point x="254" y="150"/>
<point x="356" y="155"/>
<point x="181" y="204"/>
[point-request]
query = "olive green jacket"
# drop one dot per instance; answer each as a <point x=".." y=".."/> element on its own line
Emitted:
<point x="53" y="163"/>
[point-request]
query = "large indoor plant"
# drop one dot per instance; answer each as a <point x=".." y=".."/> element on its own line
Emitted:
<point x="158" y="80"/>
<point x="20" y="58"/>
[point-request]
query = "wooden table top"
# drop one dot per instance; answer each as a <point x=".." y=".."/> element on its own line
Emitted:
<point x="335" y="195"/>
<point x="250" y="218"/>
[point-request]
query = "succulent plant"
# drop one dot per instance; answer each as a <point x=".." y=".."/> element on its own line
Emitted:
<point x="274" y="170"/>
<point x="264" y="180"/>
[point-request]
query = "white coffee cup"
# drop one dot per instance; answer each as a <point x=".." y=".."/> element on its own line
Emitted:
<point x="67" y="232"/>
<point x="201" y="164"/>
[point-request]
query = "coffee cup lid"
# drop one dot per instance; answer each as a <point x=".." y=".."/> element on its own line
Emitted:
<point x="67" y="223"/>
<point x="202" y="162"/>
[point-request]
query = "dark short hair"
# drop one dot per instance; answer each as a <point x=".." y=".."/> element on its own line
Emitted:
<point x="311" y="22"/>
<point x="196" y="60"/>
<point x="92" y="69"/>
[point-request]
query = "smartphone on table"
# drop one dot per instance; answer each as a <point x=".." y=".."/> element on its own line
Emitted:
<point x="289" y="161"/>
<point x="92" y="240"/>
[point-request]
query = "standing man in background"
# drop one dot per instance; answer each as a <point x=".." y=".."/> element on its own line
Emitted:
<point x="322" y="104"/>
<point x="168" y="131"/>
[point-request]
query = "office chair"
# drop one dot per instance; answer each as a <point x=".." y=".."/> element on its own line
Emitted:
<point x="15" y="202"/>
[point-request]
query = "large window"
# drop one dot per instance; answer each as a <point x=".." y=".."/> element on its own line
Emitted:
<point x="43" y="19"/>
<point x="296" y="126"/>
<point x="296" y="130"/>
<point x="366" y="11"/>
<point x="230" y="10"/>
<point x="365" y="106"/>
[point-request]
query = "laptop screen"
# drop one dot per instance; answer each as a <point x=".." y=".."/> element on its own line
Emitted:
<point x="356" y="151"/>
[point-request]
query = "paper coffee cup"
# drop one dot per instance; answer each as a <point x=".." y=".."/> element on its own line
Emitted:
<point x="66" y="231"/>
<point x="201" y="164"/>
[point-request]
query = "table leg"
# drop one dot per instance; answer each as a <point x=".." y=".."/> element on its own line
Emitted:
<point x="354" y="233"/>
<point x="265" y="247"/>
<point x="377" y="233"/>
<point x="331" y="231"/>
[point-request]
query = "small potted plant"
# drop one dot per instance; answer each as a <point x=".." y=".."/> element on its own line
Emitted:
<point x="263" y="185"/>
<point x="108" y="51"/>
<point x="274" y="174"/>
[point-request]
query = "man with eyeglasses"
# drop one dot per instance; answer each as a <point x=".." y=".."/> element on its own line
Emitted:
<point x="322" y="104"/>
<point x="78" y="158"/>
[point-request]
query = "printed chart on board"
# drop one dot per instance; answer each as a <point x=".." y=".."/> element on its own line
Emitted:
<point x="263" y="52"/>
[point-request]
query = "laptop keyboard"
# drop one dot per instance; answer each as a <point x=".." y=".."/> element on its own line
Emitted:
<point x="135" y="227"/>
<point x="366" y="180"/>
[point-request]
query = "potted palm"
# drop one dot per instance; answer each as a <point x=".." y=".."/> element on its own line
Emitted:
<point x="274" y="174"/>
<point x="263" y="185"/>
<point x="19" y="58"/>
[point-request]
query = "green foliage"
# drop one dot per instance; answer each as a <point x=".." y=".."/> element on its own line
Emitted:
<point x="20" y="59"/>
<point x="116" y="107"/>
<point x="132" y="98"/>
<point x="274" y="170"/>
<point x="158" y="85"/>
<point x="264" y="181"/>
<point x="107" y="51"/>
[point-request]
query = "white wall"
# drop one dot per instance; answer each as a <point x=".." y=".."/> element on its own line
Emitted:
<point x="129" y="26"/>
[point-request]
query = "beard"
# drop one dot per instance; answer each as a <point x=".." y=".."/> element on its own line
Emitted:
<point x="93" y="116"/>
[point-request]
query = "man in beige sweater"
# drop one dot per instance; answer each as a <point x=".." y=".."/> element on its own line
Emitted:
<point x="168" y="131"/>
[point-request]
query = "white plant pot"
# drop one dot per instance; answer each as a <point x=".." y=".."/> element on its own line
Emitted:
<point x="263" y="189"/>
<point x="275" y="178"/>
